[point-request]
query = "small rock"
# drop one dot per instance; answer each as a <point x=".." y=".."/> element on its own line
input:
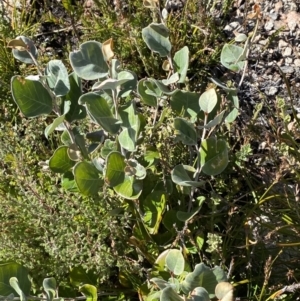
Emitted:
<point x="232" y="26"/>
<point x="287" y="69"/>
<point x="287" y="51"/>
<point x="271" y="91"/>
<point x="288" y="60"/>
<point x="274" y="16"/>
<point x="263" y="42"/>
<point x="297" y="62"/>
<point x="269" y="25"/>
<point x="282" y="44"/>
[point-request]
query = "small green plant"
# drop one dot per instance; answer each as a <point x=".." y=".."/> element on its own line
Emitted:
<point x="174" y="281"/>
<point x="113" y="153"/>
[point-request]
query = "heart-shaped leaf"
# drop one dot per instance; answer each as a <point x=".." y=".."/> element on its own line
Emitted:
<point x="89" y="62"/>
<point x="60" y="161"/>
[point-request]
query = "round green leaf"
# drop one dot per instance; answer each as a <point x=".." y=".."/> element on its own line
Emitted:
<point x="31" y="96"/>
<point x="230" y="57"/>
<point x="183" y="174"/>
<point x="208" y="100"/>
<point x="87" y="178"/>
<point x="186" y="103"/>
<point x="21" y="54"/>
<point x="149" y="100"/>
<point x="175" y="262"/>
<point x="214" y="156"/>
<point x="185" y="131"/>
<point x="156" y="36"/>
<point x="125" y="185"/>
<point x="88" y="62"/>
<point x="60" y="161"/>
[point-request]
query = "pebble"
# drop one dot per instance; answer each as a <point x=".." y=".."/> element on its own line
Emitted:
<point x="269" y="25"/>
<point x="287" y="51"/>
<point x="297" y="62"/>
<point x="282" y="44"/>
<point x="271" y="91"/>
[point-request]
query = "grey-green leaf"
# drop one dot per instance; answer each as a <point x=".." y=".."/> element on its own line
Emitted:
<point x="77" y="111"/>
<point x="156" y="36"/>
<point x="130" y="125"/>
<point x="49" y="285"/>
<point x="214" y="156"/>
<point x="57" y="77"/>
<point x="14" y="283"/>
<point x="186" y="103"/>
<point x="150" y="100"/>
<point x="183" y="175"/>
<point x="31" y="96"/>
<point x="100" y="111"/>
<point x="168" y="294"/>
<point x="181" y="62"/>
<point x="185" y="131"/>
<point x="115" y="176"/>
<point x="208" y="100"/>
<point x="23" y="55"/>
<point x="230" y="57"/>
<point x="175" y="262"/>
<point x="88" y="62"/>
